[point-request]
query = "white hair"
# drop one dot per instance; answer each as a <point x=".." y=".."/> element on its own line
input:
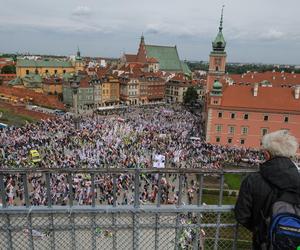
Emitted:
<point x="280" y="143"/>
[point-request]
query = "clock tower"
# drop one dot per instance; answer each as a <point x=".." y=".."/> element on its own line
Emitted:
<point x="217" y="58"/>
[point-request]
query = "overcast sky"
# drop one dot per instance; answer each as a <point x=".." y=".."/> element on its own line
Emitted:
<point x="256" y="31"/>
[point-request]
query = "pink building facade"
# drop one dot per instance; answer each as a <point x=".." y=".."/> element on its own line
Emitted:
<point x="239" y="116"/>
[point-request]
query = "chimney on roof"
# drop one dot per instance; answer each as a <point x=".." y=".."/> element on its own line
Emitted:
<point x="274" y="77"/>
<point x="252" y="76"/>
<point x="255" y="89"/>
<point x="297" y="91"/>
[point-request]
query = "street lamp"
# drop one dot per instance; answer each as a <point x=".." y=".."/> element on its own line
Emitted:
<point x="74" y="87"/>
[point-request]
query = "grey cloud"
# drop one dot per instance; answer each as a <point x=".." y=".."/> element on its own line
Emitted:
<point x="192" y="25"/>
<point x="82" y="11"/>
<point x="273" y="34"/>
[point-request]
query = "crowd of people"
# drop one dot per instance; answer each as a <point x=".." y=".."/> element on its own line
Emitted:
<point x="130" y="139"/>
<point x="126" y="139"/>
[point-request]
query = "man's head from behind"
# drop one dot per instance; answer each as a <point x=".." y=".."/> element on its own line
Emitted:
<point x="279" y="143"/>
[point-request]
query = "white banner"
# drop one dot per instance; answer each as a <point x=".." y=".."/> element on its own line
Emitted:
<point x="159" y="161"/>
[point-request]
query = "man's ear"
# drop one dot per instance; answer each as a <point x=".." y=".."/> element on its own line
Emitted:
<point x="267" y="155"/>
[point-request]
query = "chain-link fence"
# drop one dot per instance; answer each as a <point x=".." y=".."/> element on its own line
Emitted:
<point x="156" y="222"/>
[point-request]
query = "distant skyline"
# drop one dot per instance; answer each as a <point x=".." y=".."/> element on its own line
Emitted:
<point x="255" y="31"/>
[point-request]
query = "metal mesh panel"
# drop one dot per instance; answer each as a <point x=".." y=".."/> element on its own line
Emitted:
<point x="20" y="239"/>
<point x="139" y="223"/>
<point x="124" y="239"/>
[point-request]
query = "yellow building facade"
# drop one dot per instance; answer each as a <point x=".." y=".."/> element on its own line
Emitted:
<point x="48" y="67"/>
<point x="110" y="90"/>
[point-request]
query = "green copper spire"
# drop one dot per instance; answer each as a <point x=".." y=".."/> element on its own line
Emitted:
<point x="78" y="56"/>
<point x="219" y="43"/>
<point x="217" y="89"/>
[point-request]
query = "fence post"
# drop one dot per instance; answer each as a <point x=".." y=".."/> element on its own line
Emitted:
<point x="8" y="229"/>
<point x="93" y="189"/>
<point x="113" y="214"/>
<point x="235" y="237"/>
<point x="49" y="198"/>
<point x="72" y="229"/>
<point x="114" y="231"/>
<point x="70" y="181"/>
<point x="179" y="203"/>
<point x="135" y="216"/>
<point x="199" y="240"/>
<point x="26" y="194"/>
<point x="136" y="230"/>
<point x="219" y="214"/>
<point x="29" y="225"/>
<point x="52" y="231"/>
<point x="93" y="226"/>
<point x="2" y="190"/>
<point x="137" y="188"/>
<point x="156" y="231"/>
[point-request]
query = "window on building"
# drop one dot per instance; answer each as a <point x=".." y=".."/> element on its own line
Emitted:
<point x="218" y="128"/>
<point x="46" y="71"/>
<point x="266" y="117"/>
<point x="216" y="102"/>
<point x="55" y="71"/>
<point x="232" y="115"/>
<point x="264" y="131"/>
<point x="246" y="116"/>
<point x="242" y="141"/>
<point x="27" y="71"/>
<point x="64" y="71"/>
<point x="218" y="139"/>
<point x="229" y="140"/>
<point x="286" y="119"/>
<point x="244" y="130"/>
<point x="231" y="129"/>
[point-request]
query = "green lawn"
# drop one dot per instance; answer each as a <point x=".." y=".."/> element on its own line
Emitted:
<point x="210" y="199"/>
<point x="233" y="181"/>
<point x="12" y="118"/>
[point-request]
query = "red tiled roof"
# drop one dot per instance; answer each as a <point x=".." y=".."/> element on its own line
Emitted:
<point x="277" y="79"/>
<point x="8" y="75"/>
<point x="268" y="98"/>
<point x="84" y="83"/>
<point x="102" y="72"/>
<point x="152" y="60"/>
<point x="38" y="98"/>
<point x="130" y="58"/>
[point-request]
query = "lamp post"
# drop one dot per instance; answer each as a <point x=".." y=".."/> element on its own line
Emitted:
<point x="74" y="87"/>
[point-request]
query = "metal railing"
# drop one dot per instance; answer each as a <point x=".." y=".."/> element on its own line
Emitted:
<point x="188" y="209"/>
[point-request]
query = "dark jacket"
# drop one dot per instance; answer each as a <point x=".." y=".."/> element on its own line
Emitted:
<point x="278" y="173"/>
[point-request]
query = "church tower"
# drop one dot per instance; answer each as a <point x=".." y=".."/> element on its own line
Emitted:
<point x="79" y="65"/>
<point x="217" y="58"/>
<point x="142" y="54"/>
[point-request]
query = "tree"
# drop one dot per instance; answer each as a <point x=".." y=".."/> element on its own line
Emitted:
<point x="190" y="96"/>
<point x="8" y="69"/>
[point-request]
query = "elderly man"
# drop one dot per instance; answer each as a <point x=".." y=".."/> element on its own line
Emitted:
<point x="279" y="174"/>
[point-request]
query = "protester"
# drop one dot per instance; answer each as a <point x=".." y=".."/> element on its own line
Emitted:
<point x="277" y="180"/>
<point x="121" y="140"/>
<point x="130" y="139"/>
